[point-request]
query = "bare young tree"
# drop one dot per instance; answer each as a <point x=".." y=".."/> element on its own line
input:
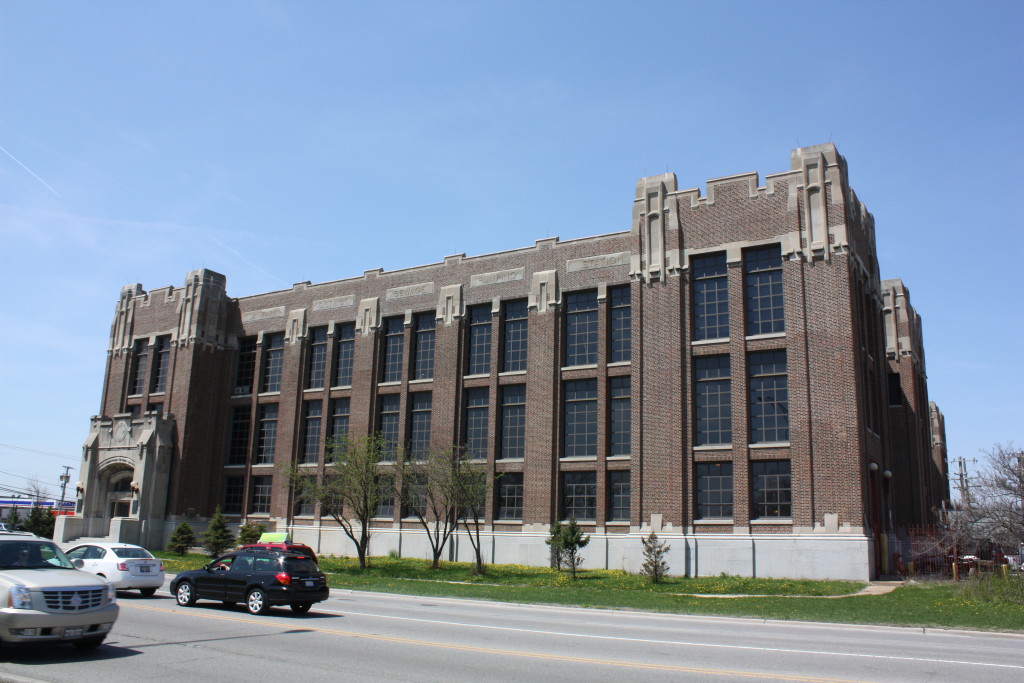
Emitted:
<point x="474" y="487"/>
<point x="351" y="487"/>
<point x="999" y="496"/>
<point x="430" y="493"/>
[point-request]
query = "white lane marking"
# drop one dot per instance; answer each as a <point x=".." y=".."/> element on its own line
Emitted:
<point x="652" y="641"/>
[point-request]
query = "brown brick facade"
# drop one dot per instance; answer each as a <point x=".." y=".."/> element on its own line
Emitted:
<point x="847" y="446"/>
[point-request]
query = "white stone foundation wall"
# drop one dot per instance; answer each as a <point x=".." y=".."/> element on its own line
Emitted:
<point x="806" y="556"/>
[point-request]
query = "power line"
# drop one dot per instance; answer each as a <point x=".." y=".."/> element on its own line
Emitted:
<point x="51" y="454"/>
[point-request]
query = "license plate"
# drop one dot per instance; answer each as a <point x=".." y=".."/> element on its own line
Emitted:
<point x="73" y="632"/>
<point x="310" y="584"/>
<point x="144" y="568"/>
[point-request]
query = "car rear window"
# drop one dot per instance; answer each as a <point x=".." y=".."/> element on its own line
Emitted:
<point x="300" y="565"/>
<point x="132" y="553"/>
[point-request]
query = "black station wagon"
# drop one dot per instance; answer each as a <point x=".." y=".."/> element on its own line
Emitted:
<point x="260" y="578"/>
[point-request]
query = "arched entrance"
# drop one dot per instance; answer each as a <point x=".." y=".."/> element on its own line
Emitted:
<point x="119" y="492"/>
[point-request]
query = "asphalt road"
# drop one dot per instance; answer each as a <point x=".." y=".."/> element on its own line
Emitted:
<point x="375" y="637"/>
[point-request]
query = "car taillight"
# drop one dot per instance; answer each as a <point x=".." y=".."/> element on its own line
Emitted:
<point x="161" y="566"/>
<point x="283" y="578"/>
<point x="122" y="566"/>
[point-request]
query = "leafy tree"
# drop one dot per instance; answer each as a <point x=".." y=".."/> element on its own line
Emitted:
<point x="554" y="540"/>
<point x="182" y="539"/>
<point x="655" y="566"/>
<point x="217" y="536"/>
<point x="12" y="519"/>
<point x="351" y="485"/>
<point x="39" y="521"/>
<point x="250" y="532"/>
<point x="573" y="540"/>
<point x="566" y="542"/>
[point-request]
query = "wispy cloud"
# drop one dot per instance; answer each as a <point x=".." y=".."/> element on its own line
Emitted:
<point x="29" y="171"/>
<point x="144" y="243"/>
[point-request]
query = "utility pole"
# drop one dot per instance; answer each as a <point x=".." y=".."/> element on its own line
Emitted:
<point x="64" y="479"/>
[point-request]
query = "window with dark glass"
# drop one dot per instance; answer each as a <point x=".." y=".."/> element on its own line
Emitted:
<point x="514" y="336"/>
<point x="161" y="364"/>
<point x="386" y="503"/>
<point x="261" y="487"/>
<point x="714" y="490"/>
<point x="246" y="369"/>
<point x="479" y="362"/>
<point x="233" y="492"/>
<point x="618" y="495"/>
<point x="154" y="407"/>
<point x="621" y="324"/>
<point x="580" y="411"/>
<point x="339" y="421"/>
<point x="710" y="297"/>
<point x="769" y="397"/>
<point x="513" y="421"/>
<point x="620" y="416"/>
<point x="303" y="507"/>
<point x="579" y="495"/>
<point x="713" y="403"/>
<point x="762" y="282"/>
<point x="394" y="347"/>
<point x="581" y="328"/>
<point x="317" y="372"/>
<point x="273" y="361"/>
<point x="140" y="359"/>
<point x="415" y="499"/>
<point x="312" y="412"/>
<point x="238" y="448"/>
<point x="476" y="422"/>
<point x="772" y="492"/>
<point x="268" y="435"/>
<point x="895" y="389"/>
<point x="510" y="496"/>
<point x="388" y="425"/>
<point x="346" y="346"/>
<point x="419" y="425"/>
<point x="423" y="363"/>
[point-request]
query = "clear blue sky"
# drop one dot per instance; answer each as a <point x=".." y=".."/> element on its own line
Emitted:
<point x="282" y="142"/>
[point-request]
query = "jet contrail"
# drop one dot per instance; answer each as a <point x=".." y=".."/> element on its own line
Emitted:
<point x="45" y="184"/>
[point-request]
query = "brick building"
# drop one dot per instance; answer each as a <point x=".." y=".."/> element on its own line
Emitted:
<point x="731" y="372"/>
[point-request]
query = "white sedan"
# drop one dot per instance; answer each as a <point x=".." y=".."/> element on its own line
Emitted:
<point x="124" y="565"/>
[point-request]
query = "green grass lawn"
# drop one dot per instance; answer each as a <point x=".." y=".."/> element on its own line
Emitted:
<point x="987" y="603"/>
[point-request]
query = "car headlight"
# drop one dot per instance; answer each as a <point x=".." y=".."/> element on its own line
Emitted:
<point x="20" y="597"/>
<point x="111" y="594"/>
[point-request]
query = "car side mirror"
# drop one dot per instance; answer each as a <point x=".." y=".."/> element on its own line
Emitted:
<point x="78" y="563"/>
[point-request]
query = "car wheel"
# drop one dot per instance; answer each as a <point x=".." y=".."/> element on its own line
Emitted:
<point x="301" y="607"/>
<point x="89" y="643"/>
<point x="257" y="601"/>
<point x="147" y="592"/>
<point x="186" y="594"/>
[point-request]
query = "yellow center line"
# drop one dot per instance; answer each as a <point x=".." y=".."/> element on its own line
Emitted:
<point x="495" y="651"/>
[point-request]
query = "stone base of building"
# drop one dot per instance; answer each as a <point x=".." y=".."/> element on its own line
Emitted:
<point x="811" y="556"/>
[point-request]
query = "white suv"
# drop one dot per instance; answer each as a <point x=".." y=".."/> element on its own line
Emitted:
<point x="44" y="599"/>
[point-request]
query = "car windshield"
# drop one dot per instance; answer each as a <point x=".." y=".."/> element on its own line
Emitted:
<point x="300" y="565"/>
<point x="132" y="553"/>
<point x="24" y="554"/>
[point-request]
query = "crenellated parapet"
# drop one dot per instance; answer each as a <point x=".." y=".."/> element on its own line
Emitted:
<point x="824" y="217"/>
<point x="203" y="309"/>
<point x="124" y="318"/>
<point x="901" y="324"/>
